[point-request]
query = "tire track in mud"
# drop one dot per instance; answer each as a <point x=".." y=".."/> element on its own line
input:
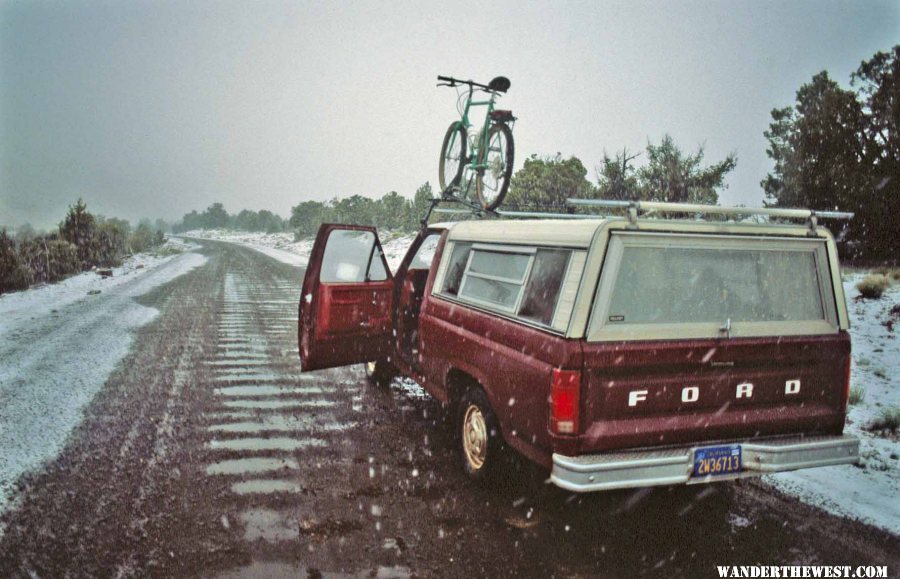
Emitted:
<point x="271" y="433"/>
<point x="268" y="419"/>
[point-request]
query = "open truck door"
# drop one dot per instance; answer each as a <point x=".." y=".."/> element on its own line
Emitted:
<point x="345" y="307"/>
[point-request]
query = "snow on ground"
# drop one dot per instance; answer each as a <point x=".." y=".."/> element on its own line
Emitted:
<point x="58" y="345"/>
<point x="395" y="246"/>
<point x="282" y="246"/>
<point x="871" y="492"/>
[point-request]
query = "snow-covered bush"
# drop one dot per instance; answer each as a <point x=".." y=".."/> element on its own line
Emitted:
<point x="14" y="274"/>
<point x="50" y="259"/>
<point x="889" y="272"/>
<point x="873" y="286"/>
<point x="144" y="238"/>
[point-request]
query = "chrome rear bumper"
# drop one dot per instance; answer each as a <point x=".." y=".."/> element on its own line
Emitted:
<point x="670" y="466"/>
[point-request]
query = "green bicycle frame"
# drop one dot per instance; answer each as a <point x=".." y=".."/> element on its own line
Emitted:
<point x="481" y="140"/>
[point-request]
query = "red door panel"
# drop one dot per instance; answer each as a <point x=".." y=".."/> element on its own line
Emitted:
<point x="346" y="321"/>
<point x="351" y="308"/>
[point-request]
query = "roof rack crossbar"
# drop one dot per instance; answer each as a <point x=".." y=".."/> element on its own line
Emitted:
<point x="710" y="209"/>
<point x="446" y="210"/>
<point x="537" y="214"/>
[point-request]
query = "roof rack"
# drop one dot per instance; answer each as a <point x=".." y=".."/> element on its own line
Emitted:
<point x="648" y="207"/>
<point x="633" y="207"/>
<point x="538" y="214"/>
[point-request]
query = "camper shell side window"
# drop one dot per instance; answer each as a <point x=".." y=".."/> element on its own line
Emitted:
<point x="531" y="284"/>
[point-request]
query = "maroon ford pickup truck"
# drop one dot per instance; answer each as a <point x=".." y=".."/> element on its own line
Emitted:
<point x="614" y="352"/>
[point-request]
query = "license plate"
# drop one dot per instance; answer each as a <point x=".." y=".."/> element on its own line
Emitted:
<point x="717" y="460"/>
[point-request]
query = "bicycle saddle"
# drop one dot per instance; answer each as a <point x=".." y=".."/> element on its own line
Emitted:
<point x="499" y="84"/>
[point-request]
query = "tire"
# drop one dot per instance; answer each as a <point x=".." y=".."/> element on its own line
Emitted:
<point x="480" y="441"/>
<point x="380" y="373"/>
<point x="493" y="182"/>
<point x="453" y="156"/>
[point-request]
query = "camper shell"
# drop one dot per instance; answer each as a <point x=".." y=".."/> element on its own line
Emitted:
<point x="616" y="352"/>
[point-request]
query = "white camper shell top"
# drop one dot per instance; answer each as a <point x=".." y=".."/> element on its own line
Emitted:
<point x="596" y="249"/>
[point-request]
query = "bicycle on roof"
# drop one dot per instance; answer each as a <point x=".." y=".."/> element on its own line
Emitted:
<point x="481" y="160"/>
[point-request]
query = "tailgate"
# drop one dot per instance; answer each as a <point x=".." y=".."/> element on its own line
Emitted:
<point x="640" y="394"/>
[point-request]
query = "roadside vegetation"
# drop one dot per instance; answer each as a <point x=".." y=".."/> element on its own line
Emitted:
<point x="893" y="273"/>
<point x="82" y="242"/>
<point x="857" y="395"/>
<point x="888" y="420"/>
<point x="873" y="285"/>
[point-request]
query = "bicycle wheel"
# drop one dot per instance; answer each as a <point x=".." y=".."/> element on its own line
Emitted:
<point x="493" y="181"/>
<point x="453" y="156"/>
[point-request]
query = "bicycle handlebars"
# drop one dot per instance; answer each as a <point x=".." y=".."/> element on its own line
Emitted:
<point x="454" y="81"/>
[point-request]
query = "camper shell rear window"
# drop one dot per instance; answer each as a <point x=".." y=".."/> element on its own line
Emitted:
<point x="670" y="286"/>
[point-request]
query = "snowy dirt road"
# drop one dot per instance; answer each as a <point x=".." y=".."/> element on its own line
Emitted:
<point x="207" y="453"/>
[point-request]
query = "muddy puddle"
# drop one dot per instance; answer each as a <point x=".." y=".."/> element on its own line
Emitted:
<point x="251" y="466"/>
<point x="269" y="390"/>
<point x="268" y="569"/>
<point x="242" y="375"/>
<point x="265" y="487"/>
<point x="282" y="443"/>
<point x="242" y="347"/>
<point x="238" y="362"/>
<point x="278" y="404"/>
<point x="268" y="525"/>
<point x="282" y="423"/>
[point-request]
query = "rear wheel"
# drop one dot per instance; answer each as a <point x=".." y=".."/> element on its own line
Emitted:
<point x="453" y="156"/>
<point x="480" y="439"/>
<point x="493" y="180"/>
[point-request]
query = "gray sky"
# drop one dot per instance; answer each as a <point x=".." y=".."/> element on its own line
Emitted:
<point x="156" y="108"/>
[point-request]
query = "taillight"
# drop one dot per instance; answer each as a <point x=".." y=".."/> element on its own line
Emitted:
<point x="565" y="391"/>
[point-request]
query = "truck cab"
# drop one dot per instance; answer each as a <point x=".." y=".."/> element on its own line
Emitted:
<point x="614" y="352"/>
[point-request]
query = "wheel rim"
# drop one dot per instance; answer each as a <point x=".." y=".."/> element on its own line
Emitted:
<point x="475" y="437"/>
<point x="452" y="159"/>
<point x="495" y="170"/>
<point x="370" y="368"/>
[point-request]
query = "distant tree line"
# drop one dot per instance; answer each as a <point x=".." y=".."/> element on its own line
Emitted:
<point x="216" y="217"/>
<point x="392" y="211"/>
<point x="82" y="241"/>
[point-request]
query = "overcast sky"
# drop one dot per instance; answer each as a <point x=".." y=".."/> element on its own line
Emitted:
<point x="156" y="108"/>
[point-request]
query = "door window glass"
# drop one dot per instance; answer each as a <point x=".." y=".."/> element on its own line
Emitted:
<point x="352" y="256"/>
<point x="425" y="255"/>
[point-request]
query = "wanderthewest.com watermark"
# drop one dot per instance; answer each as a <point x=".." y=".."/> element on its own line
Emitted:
<point x="827" y="571"/>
